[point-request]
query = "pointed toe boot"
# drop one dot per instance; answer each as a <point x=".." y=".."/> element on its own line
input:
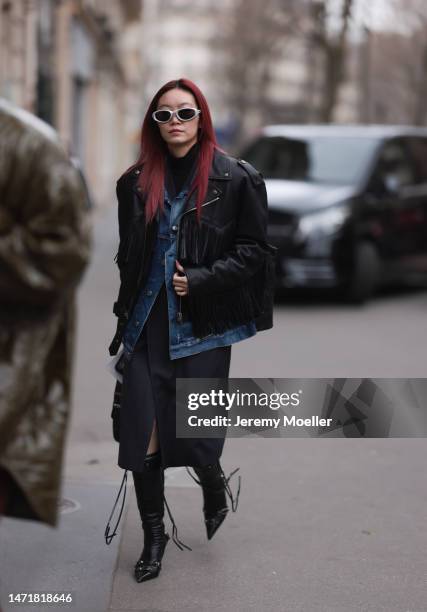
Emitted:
<point x="149" y="564"/>
<point x="215" y="489"/>
<point x="149" y="489"/>
<point x="214" y="522"/>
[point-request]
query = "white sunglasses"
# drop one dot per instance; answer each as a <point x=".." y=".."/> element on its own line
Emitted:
<point x="183" y="114"/>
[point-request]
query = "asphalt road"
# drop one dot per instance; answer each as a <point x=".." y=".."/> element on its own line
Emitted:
<point x="323" y="525"/>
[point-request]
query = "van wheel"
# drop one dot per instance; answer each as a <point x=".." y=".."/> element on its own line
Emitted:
<point x="366" y="274"/>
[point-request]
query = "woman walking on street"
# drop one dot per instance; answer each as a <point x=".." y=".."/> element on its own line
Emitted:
<point x="195" y="277"/>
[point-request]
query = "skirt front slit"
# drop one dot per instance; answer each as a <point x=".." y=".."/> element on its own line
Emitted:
<point x="149" y="394"/>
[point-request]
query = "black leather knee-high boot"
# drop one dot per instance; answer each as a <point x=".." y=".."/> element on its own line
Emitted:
<point x="149" y="489"/>
<point x="215" y="487"/>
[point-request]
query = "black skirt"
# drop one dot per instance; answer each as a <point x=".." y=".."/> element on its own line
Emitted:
<point x="148" y="393"/>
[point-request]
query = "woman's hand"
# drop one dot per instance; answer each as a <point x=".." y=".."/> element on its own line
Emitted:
<point x="180" y="282"/>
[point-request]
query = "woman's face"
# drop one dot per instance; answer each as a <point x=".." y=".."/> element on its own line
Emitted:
<point x="178" y="135"/>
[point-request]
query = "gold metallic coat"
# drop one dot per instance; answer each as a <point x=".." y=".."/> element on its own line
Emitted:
<point x="45" y="242"/>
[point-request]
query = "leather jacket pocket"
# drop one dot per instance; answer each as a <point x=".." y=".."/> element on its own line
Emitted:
<point x="202" y="244"/>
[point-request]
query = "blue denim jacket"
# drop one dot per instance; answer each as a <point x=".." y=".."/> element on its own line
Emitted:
<point x="182" y="342"/>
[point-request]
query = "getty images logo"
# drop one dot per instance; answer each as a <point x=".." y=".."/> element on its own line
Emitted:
<point x="226" y="400"/>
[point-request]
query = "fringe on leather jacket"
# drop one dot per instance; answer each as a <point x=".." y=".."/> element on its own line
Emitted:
<point x="226" y="258"/>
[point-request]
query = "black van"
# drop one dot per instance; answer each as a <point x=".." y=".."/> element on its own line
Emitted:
<point x="347" y="204"/>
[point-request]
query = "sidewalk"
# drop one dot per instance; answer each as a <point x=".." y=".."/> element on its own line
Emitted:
<point x="72" y="559"/>
<point x="322" y="526"/>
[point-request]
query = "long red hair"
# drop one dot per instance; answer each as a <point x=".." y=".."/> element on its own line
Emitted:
<point x="153" y="150"/>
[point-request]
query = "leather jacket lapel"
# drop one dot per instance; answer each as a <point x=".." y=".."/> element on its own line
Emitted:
<point x="220" y="171"/>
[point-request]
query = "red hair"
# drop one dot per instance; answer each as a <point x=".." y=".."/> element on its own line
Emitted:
<point x="153" y="150"/>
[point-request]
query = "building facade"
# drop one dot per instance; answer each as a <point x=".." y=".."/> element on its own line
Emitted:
<point x="77" y="64"/>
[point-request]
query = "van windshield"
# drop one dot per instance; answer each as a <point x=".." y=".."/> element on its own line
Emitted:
<point x="318" y="159"/>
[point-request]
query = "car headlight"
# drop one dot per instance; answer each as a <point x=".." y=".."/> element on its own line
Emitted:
<point x="323" y="222"/>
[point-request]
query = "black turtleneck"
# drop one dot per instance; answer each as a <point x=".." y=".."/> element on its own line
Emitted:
<point x="180" y="169"/>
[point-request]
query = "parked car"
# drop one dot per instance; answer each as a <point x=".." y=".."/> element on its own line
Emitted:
<point x="347" y="204"/>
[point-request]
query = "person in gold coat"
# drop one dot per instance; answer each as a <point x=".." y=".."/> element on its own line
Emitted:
<point x="45" y="241"/>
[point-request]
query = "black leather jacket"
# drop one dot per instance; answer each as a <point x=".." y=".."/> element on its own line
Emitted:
<point x="227" y="260"/>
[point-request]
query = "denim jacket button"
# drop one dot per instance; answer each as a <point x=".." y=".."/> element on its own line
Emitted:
<point x="174" y="228"/>
<point x="149" y="292"/>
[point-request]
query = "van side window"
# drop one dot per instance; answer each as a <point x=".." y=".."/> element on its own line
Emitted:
<point x="279" y="157"/>
<point x="394" y="168"/>
<point x="418" y="151"/>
